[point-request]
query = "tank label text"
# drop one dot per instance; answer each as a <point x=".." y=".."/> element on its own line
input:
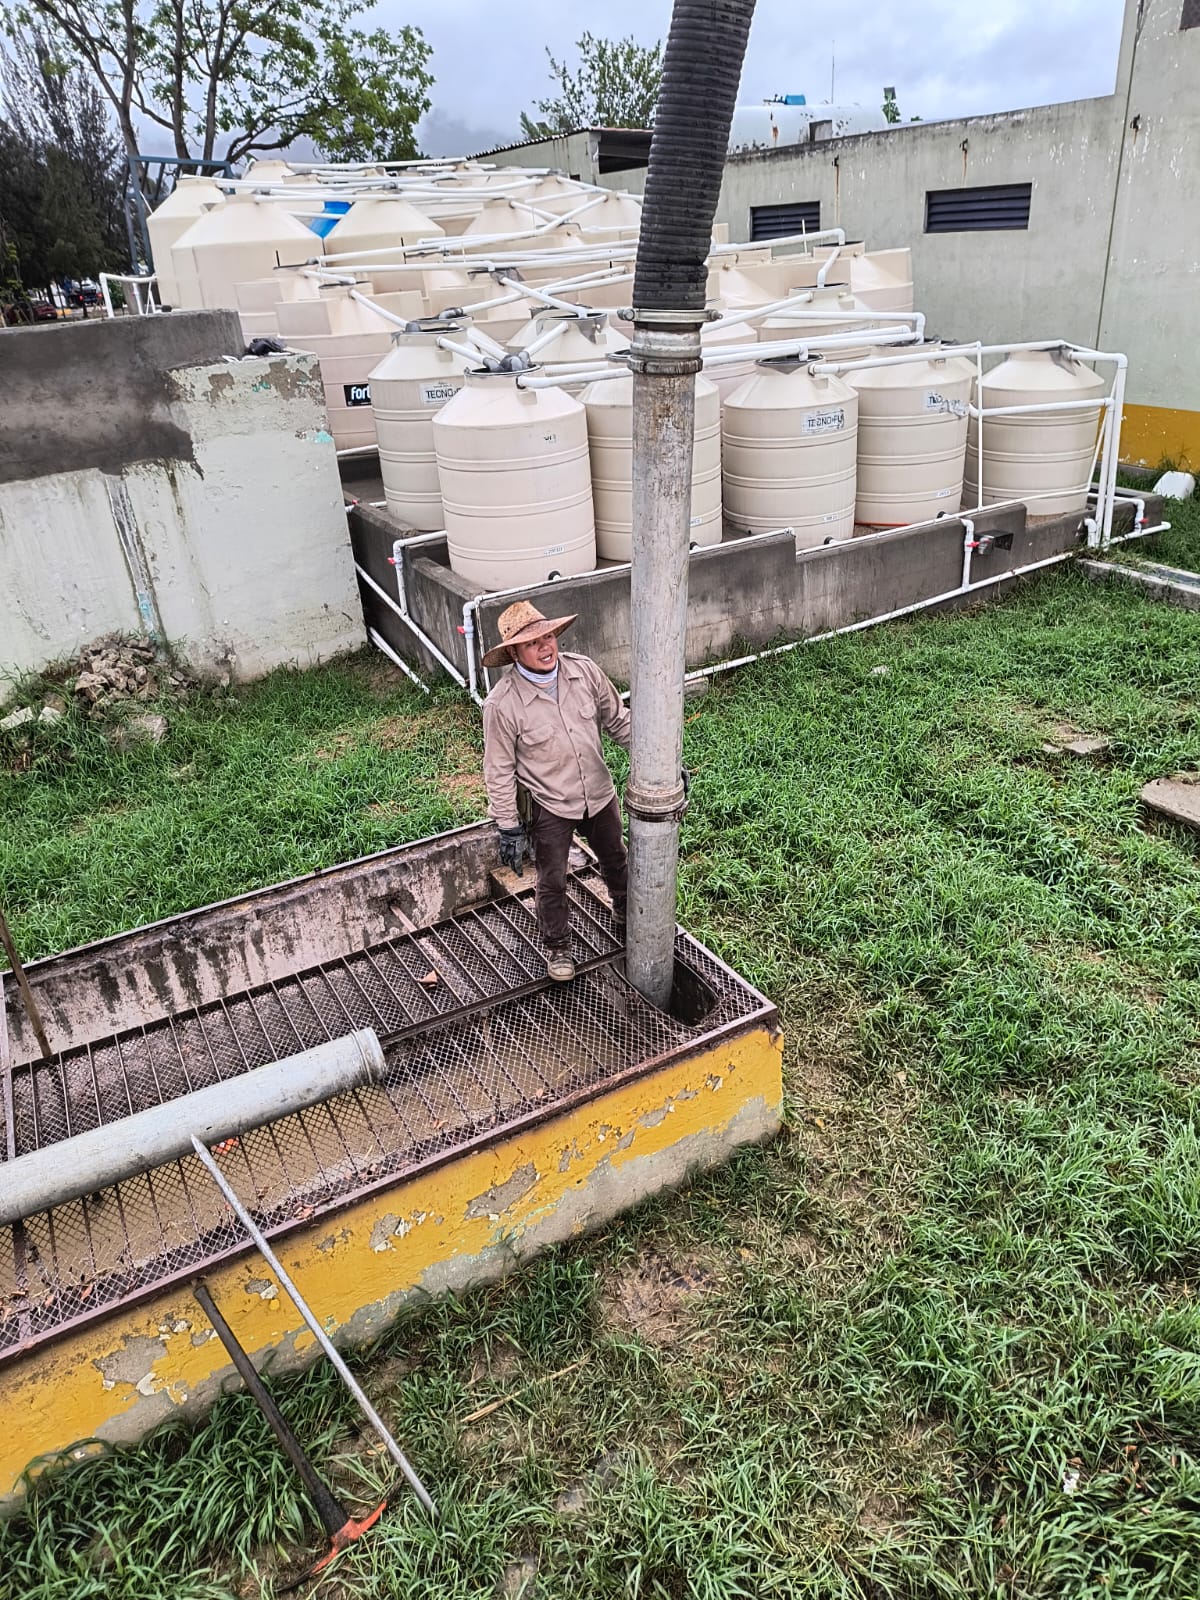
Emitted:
<point x="825" y="421"/>
<point x="436" y="394"/>
<point x="357" y="394"/>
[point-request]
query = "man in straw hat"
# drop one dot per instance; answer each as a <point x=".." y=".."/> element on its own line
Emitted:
<point x="541" y="730"/>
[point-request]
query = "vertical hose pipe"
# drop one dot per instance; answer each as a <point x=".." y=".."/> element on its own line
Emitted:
<point x="701" y="69"/>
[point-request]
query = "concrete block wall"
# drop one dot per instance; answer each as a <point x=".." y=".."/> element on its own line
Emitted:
<point x="149" y="485"/>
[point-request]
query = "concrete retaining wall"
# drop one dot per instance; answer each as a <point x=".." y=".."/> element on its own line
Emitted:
<point x="743" y="595"/>
<point x="150" y="486"/>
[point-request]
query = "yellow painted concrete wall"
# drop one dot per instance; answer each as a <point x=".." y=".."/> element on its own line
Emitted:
<point x="470" y="1220"/>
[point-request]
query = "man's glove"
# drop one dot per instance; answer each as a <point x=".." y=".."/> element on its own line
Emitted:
<point x="514" y="847"/>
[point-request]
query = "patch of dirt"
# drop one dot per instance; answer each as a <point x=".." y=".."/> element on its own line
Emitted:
<point x="651" y="1298"/>
<point x="464" y="788"/>
<point x="880" y="1514"/>
<point x="498" y="1362"/>
<point x="396" y="733"/>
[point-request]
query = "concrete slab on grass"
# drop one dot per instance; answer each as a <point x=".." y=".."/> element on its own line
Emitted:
<point x="1177" y="797"/>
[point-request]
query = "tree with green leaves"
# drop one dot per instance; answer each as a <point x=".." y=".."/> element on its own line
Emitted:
<point x="616" y="85"/>
<point x="223" y="78"/>
<point x="61" y="210"/>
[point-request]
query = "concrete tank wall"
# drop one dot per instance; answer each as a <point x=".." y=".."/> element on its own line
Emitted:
<point x="146" y="484"/>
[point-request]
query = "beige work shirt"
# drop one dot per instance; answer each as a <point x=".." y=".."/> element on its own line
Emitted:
<point x="551" y="746"/>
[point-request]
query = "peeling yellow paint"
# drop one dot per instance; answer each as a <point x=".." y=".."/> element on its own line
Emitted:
<point x="465" y="1221"/>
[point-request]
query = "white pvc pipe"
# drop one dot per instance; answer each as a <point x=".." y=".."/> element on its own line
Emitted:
<point x="388" y="316"/>
<point x="83" y="1165"/>
<point x="540" y="295"/>
<point x="381" y="643"/>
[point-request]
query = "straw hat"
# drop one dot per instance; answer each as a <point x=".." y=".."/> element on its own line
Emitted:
<point x="519" y="624"/>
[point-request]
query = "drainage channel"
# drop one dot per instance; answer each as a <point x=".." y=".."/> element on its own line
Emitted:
<point x="478" y="1043"/>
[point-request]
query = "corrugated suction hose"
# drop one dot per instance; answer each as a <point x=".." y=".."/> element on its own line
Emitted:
<point x="702" y="67"/>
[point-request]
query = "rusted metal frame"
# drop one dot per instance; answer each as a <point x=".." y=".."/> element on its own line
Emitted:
<point x="497" y="1061"/>
<point x="268" y="1128"/>
<point x="502" y="911"/>
<point x="764" y="1015"/>
<point x="484" y="932"/>
<point x="448" y="959"/>
<point x="386" y="985"/>
<point x="435" y="1015"/>
<point x="312" y="1006"/>
<point x="550" y="1003"/>
<point x="20" y="1263"/>
<point x="458" y="931"/>
<point x="503" y="1024"/>
<point x="179" y="1051"/>
<point x="577" y="899"/>
<point x="162" y="1232"/>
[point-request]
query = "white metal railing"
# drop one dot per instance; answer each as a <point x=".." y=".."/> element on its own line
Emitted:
<point x="140" y="290"/>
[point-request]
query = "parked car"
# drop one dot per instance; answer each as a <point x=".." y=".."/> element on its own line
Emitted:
<point x="17" y="312"/>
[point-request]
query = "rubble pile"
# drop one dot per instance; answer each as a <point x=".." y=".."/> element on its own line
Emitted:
<point x="119" y="668"/>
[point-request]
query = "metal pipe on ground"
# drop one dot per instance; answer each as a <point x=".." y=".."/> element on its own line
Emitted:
<point x="701" y="68"/>
<point x="83" y="1165"/>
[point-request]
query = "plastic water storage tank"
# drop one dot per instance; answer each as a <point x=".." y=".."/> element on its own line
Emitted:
<point x="350" y="339"/>
<point x="386" y="224"/>
<point x="516" y="484"/>
<point x="717" y="336"/>
<point x="882" y="280"/>
<point x="235" y="243"/>
<point x="789" y="447"/>
<point x="189" y="200"/>
<point x="912" y="439"/>
<point x="408" y="388"/>
<point x="817" y="311"/>
<point x="609" y="407"/>
<point x="1044" y="458"/>
<point x="581" y="341"/>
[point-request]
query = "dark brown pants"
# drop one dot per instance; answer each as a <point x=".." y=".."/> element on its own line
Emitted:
<point x="551" y="842"/>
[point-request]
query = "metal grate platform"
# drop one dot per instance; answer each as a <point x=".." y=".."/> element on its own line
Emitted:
<point x="477" y="1042"/>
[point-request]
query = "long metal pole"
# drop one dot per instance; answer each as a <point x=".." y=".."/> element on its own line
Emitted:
<point x="664" y="358"/>
<point x="315" y="1328"/>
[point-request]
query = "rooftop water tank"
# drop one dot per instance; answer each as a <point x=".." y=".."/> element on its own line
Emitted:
<point x="556" y="194"/>
<point x="580" y="340"/>
<point x="912" y="439"/>
<point x="350" y="339"/>
<point x="609" y="218"/>
<point x="257" y="300"/>
<point x="609" y="407"/>
<point x="408" y="388"/>
<point x="516" y="484"/>
<point x="883" y="279"/>
<point x="817" y="312"/>
<point x="187" y="201"/>
<point x="386" y="224"/>
<point x="1044" y="458"/>
<point x="716" y="336"/>
<point x="235" y="243"/>
<point x="788" y="450"/>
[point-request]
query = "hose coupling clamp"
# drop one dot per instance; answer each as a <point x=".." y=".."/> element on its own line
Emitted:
<point x="656" y="802"/>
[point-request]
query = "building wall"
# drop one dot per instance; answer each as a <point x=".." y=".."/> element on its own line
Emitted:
<point x="1110" y="256"/>
<point x="1151" y="302"/>
<point x="574" y="155"/>
<point x="147" y="485"/>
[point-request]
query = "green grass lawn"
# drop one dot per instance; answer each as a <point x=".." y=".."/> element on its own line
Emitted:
<point x="942" y="1338"/>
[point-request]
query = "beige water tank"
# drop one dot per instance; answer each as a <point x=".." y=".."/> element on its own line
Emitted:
<point x="235" y="243"/>
<point x="716" y="336"/>
<point x="556" y="194"/>
<point x="257" y="300"/>
<point x="912" y="439"/>
<point x="817" y="312"/>
<point x="187" y="201"/>
<point x="612" y="218"/>
<point x="789" y="447"/>
<point x="274" y="172"/>
<point x="516" y="484"/>
<point x="500" y="217"/>
<point x="882" y="280"/>
<point x="745" y="284"/>
<point x="1044" y="458"/>
<point x="580" y="341"/>
<point x="385" y="224"/>
<point x="408" y="388"/>
<point x="609" y="407"/>
<point x="349" y="339"/>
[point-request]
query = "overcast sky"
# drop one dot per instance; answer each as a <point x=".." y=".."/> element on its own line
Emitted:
<point x="945" y="58"/>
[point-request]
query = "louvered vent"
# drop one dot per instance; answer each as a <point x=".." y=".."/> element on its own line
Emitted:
<point x="772" y="222"/>
<point x="992" y="206"/>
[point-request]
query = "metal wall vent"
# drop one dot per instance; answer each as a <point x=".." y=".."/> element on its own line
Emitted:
<point x="980" y="210"/>
<point x="772" y="222"/>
